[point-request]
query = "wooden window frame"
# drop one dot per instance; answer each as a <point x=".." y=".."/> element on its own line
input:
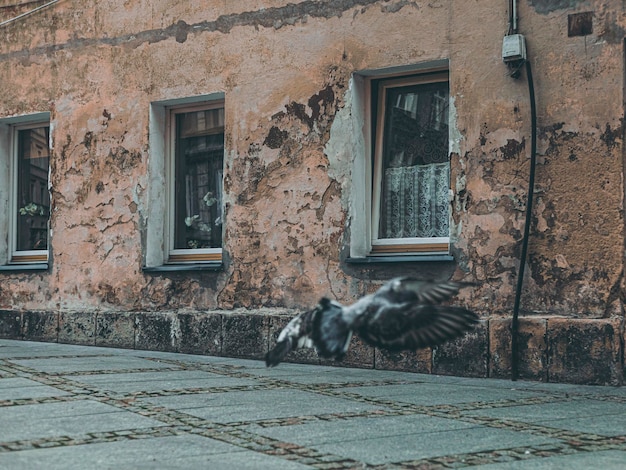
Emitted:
<point x="22" y="256"/>
<point x="174" y="255"/>
<point x="396" y="246"/>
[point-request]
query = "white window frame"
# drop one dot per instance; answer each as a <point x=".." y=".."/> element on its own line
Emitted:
<point x="160" y="206"/>
<point x="9" y="127"/>
<point x="362" y="243"/>
<point x="399" y="246"/>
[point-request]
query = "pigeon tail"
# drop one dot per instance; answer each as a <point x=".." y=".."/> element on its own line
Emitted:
<point x="331" y="333"/>
<point x="294" y="336"/>
<point x="276" y="355"/>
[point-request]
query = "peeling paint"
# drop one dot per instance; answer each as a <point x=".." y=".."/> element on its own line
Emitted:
<point x="548" y="6"/>
<point x="293" y="76"/>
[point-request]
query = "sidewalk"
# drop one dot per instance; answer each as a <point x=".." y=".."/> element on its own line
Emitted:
<point x="75" y="407"/>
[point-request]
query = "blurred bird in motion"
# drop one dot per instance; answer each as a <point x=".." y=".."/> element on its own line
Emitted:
<point x="404" y="314"/>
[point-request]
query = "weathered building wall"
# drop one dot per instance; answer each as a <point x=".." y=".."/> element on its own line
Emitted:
<point x="291" y="142"/>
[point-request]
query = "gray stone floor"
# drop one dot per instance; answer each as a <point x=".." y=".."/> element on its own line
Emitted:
<point x="76" y="407"/>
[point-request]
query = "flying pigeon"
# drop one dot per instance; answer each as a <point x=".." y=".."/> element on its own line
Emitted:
<point x="404" y="314"/>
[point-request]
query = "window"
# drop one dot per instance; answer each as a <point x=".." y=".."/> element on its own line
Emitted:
<point x="400" y="132"/>
<point x="24" y="169"/>
<point x="186" y="171"/>
<point x="195" y="183"/>
<point x="411" y="174"/>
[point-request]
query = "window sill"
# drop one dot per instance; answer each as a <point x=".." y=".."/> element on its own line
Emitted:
<point x="401" y="259"/>
<point x="168" y="268"/>
<point x="24" y="267"/>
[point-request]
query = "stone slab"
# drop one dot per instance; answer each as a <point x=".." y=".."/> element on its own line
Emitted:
<point x="245" y="335"/>
<point x="157" y="331"/>
<point x="467" y="356"/>
<point x="437" y="394"/>
<point x="115" y="330"/>
<point x="581" y="415"/>
<point x="10" y="324"/>
<point x="66" y="419"/>
<point x="77" y="328"/>
<point x="17" y="388"/>
<point x="532" y="348"/>
<point x="171" y="452"/>
<point x="412" y="361"/>
<point x="201" y="333"/>
<point x="82" y="364"/>
<point x="610" y="460"/>
<point x="40" y="326"/>
<point x="162" y="380"/>
<point x="585" y="351"/>
<point x="249" y="406"/>
<point x="372" y="441"/>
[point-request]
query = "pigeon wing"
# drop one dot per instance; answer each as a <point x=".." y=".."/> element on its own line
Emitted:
<point x="406" y="289"/>
<point x="414" y="326"/>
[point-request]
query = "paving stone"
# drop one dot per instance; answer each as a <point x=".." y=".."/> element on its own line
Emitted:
<point x="16" y="388"/>
<point x="81" y="364"/>
<point x="90" y="407"/>
<point x="437" y="394"/>
<point x="609" y="460"/>
<point x="245" y="406"/>
<point x="66" y="419"/>
<point x="162" y="380"/>
<point x="581" y="415"/>
<point x="174" y="452"/>
<point x="374" y="443"/>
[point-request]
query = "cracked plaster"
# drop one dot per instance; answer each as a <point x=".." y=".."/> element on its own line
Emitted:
<point x="292" y="139"/>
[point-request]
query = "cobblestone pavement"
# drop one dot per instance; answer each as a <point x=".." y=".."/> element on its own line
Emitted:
<point x="75" y="407"/>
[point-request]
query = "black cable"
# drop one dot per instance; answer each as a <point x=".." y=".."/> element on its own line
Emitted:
<point x="529" y="209"/>
<point x="511" y="17"/>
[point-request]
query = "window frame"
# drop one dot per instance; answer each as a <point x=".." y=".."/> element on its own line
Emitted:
<point x="192" y="255"/>
<point x="377" y="107"/>
<point x="10" y="256"/>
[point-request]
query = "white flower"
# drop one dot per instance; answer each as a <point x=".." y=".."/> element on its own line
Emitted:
<point x="190" y="220"/>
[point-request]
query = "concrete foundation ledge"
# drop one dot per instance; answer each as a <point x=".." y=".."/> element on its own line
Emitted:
<point x="551" y="349"/>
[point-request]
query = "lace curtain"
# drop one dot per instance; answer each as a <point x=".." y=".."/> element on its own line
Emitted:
<point x="415" y="202"/>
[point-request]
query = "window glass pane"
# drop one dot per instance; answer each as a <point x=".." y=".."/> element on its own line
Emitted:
<point x="415" y="175"/>
<point x="198" y="177"/>
<point x="33" y="197"/>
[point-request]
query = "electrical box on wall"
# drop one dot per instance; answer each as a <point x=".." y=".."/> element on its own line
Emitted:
<point x="513" y="48"/>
